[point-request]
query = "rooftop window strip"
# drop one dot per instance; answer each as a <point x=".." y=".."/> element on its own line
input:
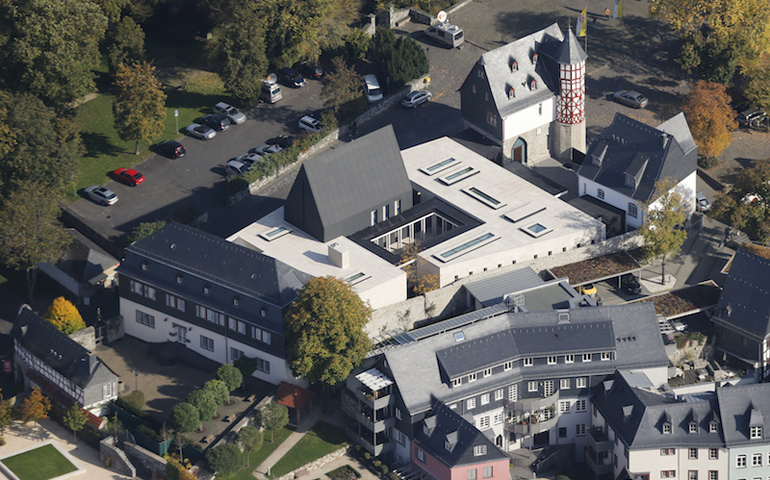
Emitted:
<point x="459" y="175"/>
<point x="440" y="166"/>
<point x="466" y="247"/>
<point x="484" y="197"/>
<point x="275" y="233"/>
<point x="536" y="229"/>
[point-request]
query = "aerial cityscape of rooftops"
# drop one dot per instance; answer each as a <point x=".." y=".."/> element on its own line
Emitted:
<point x="416" y="240"/>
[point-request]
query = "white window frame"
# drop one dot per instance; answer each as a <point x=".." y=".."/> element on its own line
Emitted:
<point x="569" y="358"/>
<point x="564" y="384"/>
<point x="529" y="361"/>
<point x="470" y="404"/>
<point x="499" y="394"/>
<point x="552" y="359"/>
<point x="581" y="382"/>
<point x="532" y="386"/>
<point x="207" y="343"/>
<point x="485" y="399"/>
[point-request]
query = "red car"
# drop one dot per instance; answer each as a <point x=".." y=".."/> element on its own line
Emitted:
<point x="129" y="176"/>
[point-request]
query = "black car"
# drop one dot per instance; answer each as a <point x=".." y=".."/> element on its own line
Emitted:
<point x="311" y="71"/>
<point x="283" y="141"/>
<point x="216" y="121"/>
<point x="291" y="77"/>
<point x="171" y="149"/>
<point x="630" y="284"/>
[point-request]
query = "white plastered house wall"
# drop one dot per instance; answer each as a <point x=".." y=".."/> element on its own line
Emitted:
<point x="532" y="124"/>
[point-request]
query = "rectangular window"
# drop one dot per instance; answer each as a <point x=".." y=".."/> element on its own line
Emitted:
<point x="693" y="454"/>
<point x="564" y="406"/>
<point x="175" y="302"/>
<point x="472" y="474"/>
<point x="756" y="460"/>
<point x="267" y="337"/>
<point x="232" y="323"/>
<point x="740" y="461"/>
<point x="713" y="475"/>
<point x="470" y="404"/>
<point x="263" y="365"/>
<point x="386" y="212"/>
<point x="580" y="406"/>
<point x="507" y="366"/>
<point x="457" y="382"/>
<point x="484" y="422"/>
<point x="210" y="315"/>
<point x="580" y="429"/>
<point x="398" y="413"/>
<point x="756" y="432"/>
<point x="241" y="327"/>
<point x="145" y="319"/>
<point x="485" y="399"/>
<point x="207" y="343"/>
<point x="488" y="472"/>
<point x="513" y="393"/>
<point x="586" y="357"/>
<point x="532" y="386"/>
<point x="492" y="118"/>
<point x="466" y="247"/>
<point x="713" y="454"/>
<point x="713" y="427"/>
<point x="564" y="384"/>
<point x="235" y="354"/>
<point x="667" y="473"/>
<point x="668" y="451"/>
<point x="569" y="358"/>
<point x="107" y="391"/>
<point x="693" y="427"/>
<point x="396" y="207"/>
<point x="479" y="450"/>
<point x="484" y="197"/>
<point x="499" y="394"/>
<point x="552" y="359"/>
<point x="528" y="362"/>
<point x="633" y="211"/>
<point x="606" y="356"/>
<point x="548" y="388"/>
<point x="421" y="455"/>
<point x="487" y="372"/>
<point x="692" y="475"/>
<point x="581" y="382"/>
<point x="666" y="428"/>
<point x="373" y="219"/>
<point x="472" y="377"/>
<point x="498" y="418"/>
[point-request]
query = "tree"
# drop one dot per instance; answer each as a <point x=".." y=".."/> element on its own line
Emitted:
<point x="231" y="376"/>
<point x="664" y="218"/>
<point x="127" y="43"/>
<point x="185" y="418"/>
<point x="75" y="419"/>
<point x="218" y="389"/>
<point x="272" y="417"/>
<point x="247" y="366"/>
<point x="65" y="316"/>
<point x="145" y="229"/>
<point x="325" y="331"/>
<point x="408" y="62"/>
<point x="205" y="402"/>
<point x="30" y="232"/>
<point x="112" y="8"/>
<point x="49" y="47"/>
<point x="757" y="88"/>
<point x="735" y="208"/>
<point x="140" y="104"/>
<point x="6" y="415"/>
<point x="224" y="458"/>
<point x="357" y="45"/>
<point x="710" y="117"/>
<point x="250" y="440"/>
<point x="176" y="469"/>
<point x="411" y="261"/>
<point x="240" y="51"/>
<point x="342" y="87"/>
<point x="35" y="407"/>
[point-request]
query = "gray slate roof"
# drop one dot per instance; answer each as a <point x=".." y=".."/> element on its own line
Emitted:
<point x="344" y="182"/>
<point x="628" y="146"/>
<point x="443" y="423"/>
<point x="637" y="415"/>
<point x="490" y="291"/>
<point x="83" y="259"/>
<point x="59" y="351"/>
<point x="417" y="367"/>
<point x="217" y="260"/>
<point x="743" y="407"/>
<point x="747" y="295"/>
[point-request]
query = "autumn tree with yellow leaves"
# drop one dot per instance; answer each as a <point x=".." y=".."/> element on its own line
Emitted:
<point x="65" y="316"/>
<point x="710" y="117"/>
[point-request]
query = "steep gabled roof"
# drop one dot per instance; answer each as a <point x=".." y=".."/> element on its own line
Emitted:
<point x="57" y="350"/>
<point x="745" y="300"/>
<point x="743" y="407"/>
<point x="629" y="150"/>
<point x="449" y="438"/>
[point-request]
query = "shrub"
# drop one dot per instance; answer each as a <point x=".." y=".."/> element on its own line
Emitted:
<point x="133" y="402"/>
<point x="707" y="162"/>
<point x="384" y="469"/>
<point x="150" y="433"/>
<point x="345" y="472"/>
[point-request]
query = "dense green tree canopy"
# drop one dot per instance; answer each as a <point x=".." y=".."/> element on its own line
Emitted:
<point x="219" y="389"/>
<point x="272" y="417"/>
<point x="185" y="418"/>
<point x="50" y="47"/>
<point x="736" y="207"/>
<point x="325" y="331"/>
<point x="399" y="59"/>
<point x="126" y="43"/>
<point x="205" y="401"/>
<point x="250" y="439"/>
<point x="225" y="458"/>
<point x="232" y="377"/>
<point x="140" y="104"/>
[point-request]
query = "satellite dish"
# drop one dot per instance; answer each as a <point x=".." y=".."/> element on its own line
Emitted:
<point x="441" y="16"/>
<point x="271" y="79"/>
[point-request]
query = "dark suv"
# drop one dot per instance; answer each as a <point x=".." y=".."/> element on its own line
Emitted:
<point x="216" y="121"/>
<point x="171" y="149"/>
<point x="630" y="284"/>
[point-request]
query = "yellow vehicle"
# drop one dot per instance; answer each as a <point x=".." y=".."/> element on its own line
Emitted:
<point x="587" y="289"/>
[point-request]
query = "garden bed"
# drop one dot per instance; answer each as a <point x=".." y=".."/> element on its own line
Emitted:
<point x="684" y="301"/>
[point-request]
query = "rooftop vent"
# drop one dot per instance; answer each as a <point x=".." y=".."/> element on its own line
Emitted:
<point x="339" y="255"/>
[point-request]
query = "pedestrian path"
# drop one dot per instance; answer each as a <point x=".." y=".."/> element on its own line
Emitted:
<point x="263" y="471"/>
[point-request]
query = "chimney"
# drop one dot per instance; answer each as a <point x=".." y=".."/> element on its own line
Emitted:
<point x="339" y="256"/>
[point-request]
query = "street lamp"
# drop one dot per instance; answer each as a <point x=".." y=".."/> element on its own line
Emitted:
<point x="136" y="379"/>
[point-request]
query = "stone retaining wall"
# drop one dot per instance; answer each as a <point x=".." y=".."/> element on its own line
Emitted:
<point x="85" y="337"/>
<point x="326" y="459"/>
<point x="146" y="462"/>
<point x="114" y="458"/>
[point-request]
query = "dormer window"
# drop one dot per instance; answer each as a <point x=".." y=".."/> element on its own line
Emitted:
<point x="236" y="301"/>
<point x="755" y="433"/>
<point x="472" y="377"/>
<point x="693" y="428"/>
<point x="528" y="362"/>
<point x="713" y="427"/>
<point x="206" y="290"/>
<point x="178" y="279"/>
<point x="457" y="382"/>
<point x="487" y="372"/>
<point x="479" y="450"/>
<point x="666" y="428"/>
<point x="511" y="93"/>
<point x="144" y="265"/>
<point x="514" y="66"/>
<point x="535" y="57"/>
<point x="533" y="84"/>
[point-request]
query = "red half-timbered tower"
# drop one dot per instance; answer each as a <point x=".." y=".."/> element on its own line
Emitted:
<point x="570" y="126"/>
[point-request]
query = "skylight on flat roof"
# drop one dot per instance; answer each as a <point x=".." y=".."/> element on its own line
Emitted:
<point x="458" y="175"/>
<point x="357" y="278"/>
<point x="484" y="198"/>
<point x="466" y="247"/>
<point x="275" y="233"/>
<point x="440" y="166"/>
<point x="523" y="211"/>
<point x="536" y="229"/>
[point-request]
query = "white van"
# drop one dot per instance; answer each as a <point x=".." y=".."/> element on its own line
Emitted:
<point x="271" y="91"/>
<point x="446" y="33"/>
<point x="372" y="89"/>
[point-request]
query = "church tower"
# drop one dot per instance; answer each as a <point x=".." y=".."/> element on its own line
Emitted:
<point x="569" y="129"/>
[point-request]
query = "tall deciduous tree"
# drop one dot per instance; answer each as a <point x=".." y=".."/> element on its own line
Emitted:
<point x="35" y="407"/>
<point x="224" y="458"/>
<point x="65" y="316"/>
<point x="250" y="439"/>
<point x="736" y="208"/>
<point x="325" y="331"/>
<point x="140" y="104"/>
<point x="710" y="117"/>
<point x="664" y="217"/>
<point x="757" y="89"/>
<point x="342" y="87"/>
<point x="205" y="401"/>
<point x="75" y="419"/>
<point x="185" y="418"/>
<point x="112" y="8"/>
<point x="272" y="417"/>
<point x="49" y="47"/>
<point x="219" y="390"/>
<point x="231" y="376"/>
<point x="127" y="43"/>
<point x="30" y="231"/>
<point x="6" y="415"/>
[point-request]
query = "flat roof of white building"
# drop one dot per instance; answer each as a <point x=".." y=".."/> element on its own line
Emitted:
<point x="365" y="271"/>
<point x="515" y="214"/>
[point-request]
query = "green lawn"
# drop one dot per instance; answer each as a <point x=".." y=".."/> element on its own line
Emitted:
<point x="260" y="456"/>
<point x="105" y="151"/>
<point x="322" y="440"/>
<point x="39" y="464"/>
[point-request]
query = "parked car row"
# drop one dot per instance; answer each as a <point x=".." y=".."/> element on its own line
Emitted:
<point x="241" y="164"/>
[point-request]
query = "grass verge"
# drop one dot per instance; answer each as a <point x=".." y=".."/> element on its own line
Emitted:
<point x="39" y="464"/>
<point x="322" y="440"/>
<point x="261" y="455"/>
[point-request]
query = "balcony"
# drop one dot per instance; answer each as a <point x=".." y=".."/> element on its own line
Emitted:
<point x="600" y="464"/>
<point x="529" y="404"/>
<point x="598" y="441"/>
<point x="534" y="424"/>
<point x="376" y="400"/>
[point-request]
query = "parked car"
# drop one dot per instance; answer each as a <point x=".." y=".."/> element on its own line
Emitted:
<point x="630" y="98"/>
<point x="702" y="203"/>
<point x="751" y="117"/>
<point x="172" y="149"/>
<point x="310" y="124"/>
<point x="235" y="116"/>
<point x="200" y="131"/>
<point x="416" y="98"/>
<point x="129" y="176"/>
<point x="101" y="195"/>
<point x="249" y="159"/>
<point x="587" y="289"/>
<point x="267" y="149"/>
<point x="630" y="284"/>
<point x="216" y="121"/>
<point x="311" y="70"/>
<point x="283" y="141"/>
<point x="678" y="325"/>
<point x="235" y="167"/>
<point x="750" y="198"/>
<point x="291" y="77"/>
<point x="372" y="90"/>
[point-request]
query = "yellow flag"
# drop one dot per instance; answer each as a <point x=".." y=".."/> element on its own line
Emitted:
<point x="617" y="9"/>
<point x="580" y="28"/>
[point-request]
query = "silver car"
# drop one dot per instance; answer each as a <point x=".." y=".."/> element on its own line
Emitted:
<point x="267" y="149"/>
<point x="249" y="159"/>
<point x="416" y="98"/>
<point x="101" y="195"/>
<point x="200" y="131"/>
<point x="235" y="116"/>
<point x="630" y="98"/>
<point x="237" y="168"/>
